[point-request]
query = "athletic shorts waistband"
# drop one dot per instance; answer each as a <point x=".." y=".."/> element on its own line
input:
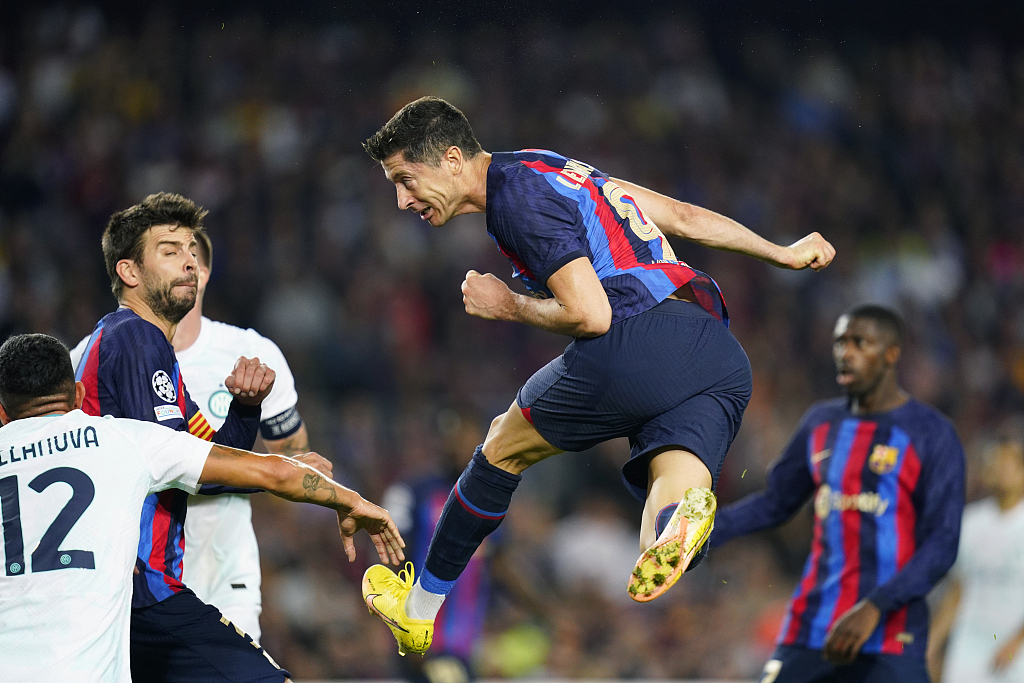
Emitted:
<point x="689" y="309"/>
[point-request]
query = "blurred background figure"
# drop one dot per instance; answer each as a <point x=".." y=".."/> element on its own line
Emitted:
<point x="982" y="612"/>
<point x="415" y="502"/>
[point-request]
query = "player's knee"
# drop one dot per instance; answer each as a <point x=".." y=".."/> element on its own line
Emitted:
<point x="500" y="447"/>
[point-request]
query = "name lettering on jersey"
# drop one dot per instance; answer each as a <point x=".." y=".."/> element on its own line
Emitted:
<point x="826" y="501"/>
<point x="163" y="386"/>
<point x="168" y="413"/>
<point x="574" y="174"/>
<point x="79" y="438"/>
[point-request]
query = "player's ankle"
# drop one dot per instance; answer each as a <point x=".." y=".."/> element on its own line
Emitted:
<point x="422" y="604"/>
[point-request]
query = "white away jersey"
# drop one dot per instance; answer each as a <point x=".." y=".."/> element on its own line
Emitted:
<point x="990" y="569"/>
<point x="71" y="493"/>
<point x="222" y="560"/>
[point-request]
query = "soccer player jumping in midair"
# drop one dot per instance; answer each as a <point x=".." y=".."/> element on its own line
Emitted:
<point x="652" y="357"/>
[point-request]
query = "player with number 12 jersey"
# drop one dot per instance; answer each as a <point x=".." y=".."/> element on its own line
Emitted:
<point x="71" y="489"/>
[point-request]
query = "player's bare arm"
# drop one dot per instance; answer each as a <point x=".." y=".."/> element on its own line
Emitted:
<point x="291" y="445"/>
<point x="293" y="480"/>
<point x="250" y="381"/>
<point x="714" y="230"/>
<point x="579" y="307"/>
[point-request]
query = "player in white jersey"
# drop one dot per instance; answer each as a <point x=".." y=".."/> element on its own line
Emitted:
<point x="71" y="493"/>
<point x="983" y="609"/>
<point x="222" y="561"/>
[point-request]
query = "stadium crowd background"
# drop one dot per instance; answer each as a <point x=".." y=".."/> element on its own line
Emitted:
<point x="906" y="153"/>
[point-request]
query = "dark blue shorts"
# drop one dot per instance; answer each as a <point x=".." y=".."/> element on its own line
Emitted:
<point x="671" y="376"/>
<point x="801" y="665"/>
<point x="184" y="640"/>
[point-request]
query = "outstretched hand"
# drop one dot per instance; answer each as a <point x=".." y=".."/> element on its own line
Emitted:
<point x="848" y="635"/>
<point x="813" y="251"/>
<point x="250" y="381"/>
<point x="378" y="523"/>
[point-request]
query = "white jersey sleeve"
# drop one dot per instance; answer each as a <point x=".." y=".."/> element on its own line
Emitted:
<point x="175" y="459"/>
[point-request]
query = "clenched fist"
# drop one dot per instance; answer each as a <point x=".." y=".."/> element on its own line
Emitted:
<point x="813" y="251"/>
<point x="250" y="381"/>
<point x="485" y="296"/>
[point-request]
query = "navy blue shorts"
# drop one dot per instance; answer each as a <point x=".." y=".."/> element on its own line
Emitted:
<point x="184" y="640"/>
<point x="802" y="665"/>
<point x="670" y="376"/>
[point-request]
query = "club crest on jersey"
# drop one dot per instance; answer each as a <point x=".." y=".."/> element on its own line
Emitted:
<point x="163" y="386"/>
<point x="883" y="459"/>
<point x="220" y="403"/>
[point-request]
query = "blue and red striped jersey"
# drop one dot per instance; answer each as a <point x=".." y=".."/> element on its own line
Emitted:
<point x="545" y="210"/>
<point x="888" y="496"/>
<point x="129" y="370"/>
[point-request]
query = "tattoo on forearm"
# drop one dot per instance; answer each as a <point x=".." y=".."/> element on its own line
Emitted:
<point x="293" y="445"/>
<point x="311" y="483"/>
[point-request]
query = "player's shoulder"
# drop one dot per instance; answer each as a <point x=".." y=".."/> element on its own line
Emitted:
<point x="825" y="411"/>
<point x="238" y="338"/>
<point x="980" y="510"/>
<point x="527" y="165"/>
<point x="924" y="419"/>
<point x="124" y="327"/>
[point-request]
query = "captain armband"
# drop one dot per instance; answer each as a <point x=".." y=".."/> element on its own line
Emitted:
<point x="281" y="426"/>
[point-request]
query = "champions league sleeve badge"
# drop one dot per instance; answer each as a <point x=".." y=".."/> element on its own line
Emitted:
<point x="163" y="386"/>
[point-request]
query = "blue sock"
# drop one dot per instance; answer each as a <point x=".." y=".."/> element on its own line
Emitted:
<point x="474" y="509"/>
<point x="664" y="515"/>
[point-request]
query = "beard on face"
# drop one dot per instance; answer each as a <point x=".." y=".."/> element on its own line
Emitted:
<point x="164" y="302"/>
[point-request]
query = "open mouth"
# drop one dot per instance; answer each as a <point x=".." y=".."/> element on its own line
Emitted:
<point x="425" y="213"/>
<point x="845" y="376"/>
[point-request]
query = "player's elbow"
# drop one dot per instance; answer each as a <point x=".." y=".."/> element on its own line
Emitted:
<point x="595" y="323"/>
<point x="683" y="215"/>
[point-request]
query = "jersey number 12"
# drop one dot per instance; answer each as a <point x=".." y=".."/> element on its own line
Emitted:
<point x="47" y="556"/>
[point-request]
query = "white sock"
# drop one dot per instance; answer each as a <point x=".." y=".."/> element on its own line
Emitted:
<point x="422" y="604"/>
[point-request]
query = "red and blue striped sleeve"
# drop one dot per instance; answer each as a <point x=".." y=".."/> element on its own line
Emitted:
<point x="536" y="228"/>
<point x="930" y="517"/>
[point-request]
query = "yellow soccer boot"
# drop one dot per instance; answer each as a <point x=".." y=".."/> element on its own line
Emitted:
<point x="661" y="565"/>
<point x="385" y="594"/>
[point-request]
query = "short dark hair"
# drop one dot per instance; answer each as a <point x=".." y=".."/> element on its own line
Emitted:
<point x="124" y="237"/>
<point x="423" y="130"/>
<point x="886" y="319"/>
<point x="34" y="365"/>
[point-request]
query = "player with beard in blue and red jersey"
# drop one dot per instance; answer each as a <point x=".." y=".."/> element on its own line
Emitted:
<point x="887" y="476"/>
<point x="652" y="359"/>
<point x="129" y="371"/>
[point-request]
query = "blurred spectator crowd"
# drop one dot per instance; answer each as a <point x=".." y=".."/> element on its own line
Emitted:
<point x="908" y="156"/>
